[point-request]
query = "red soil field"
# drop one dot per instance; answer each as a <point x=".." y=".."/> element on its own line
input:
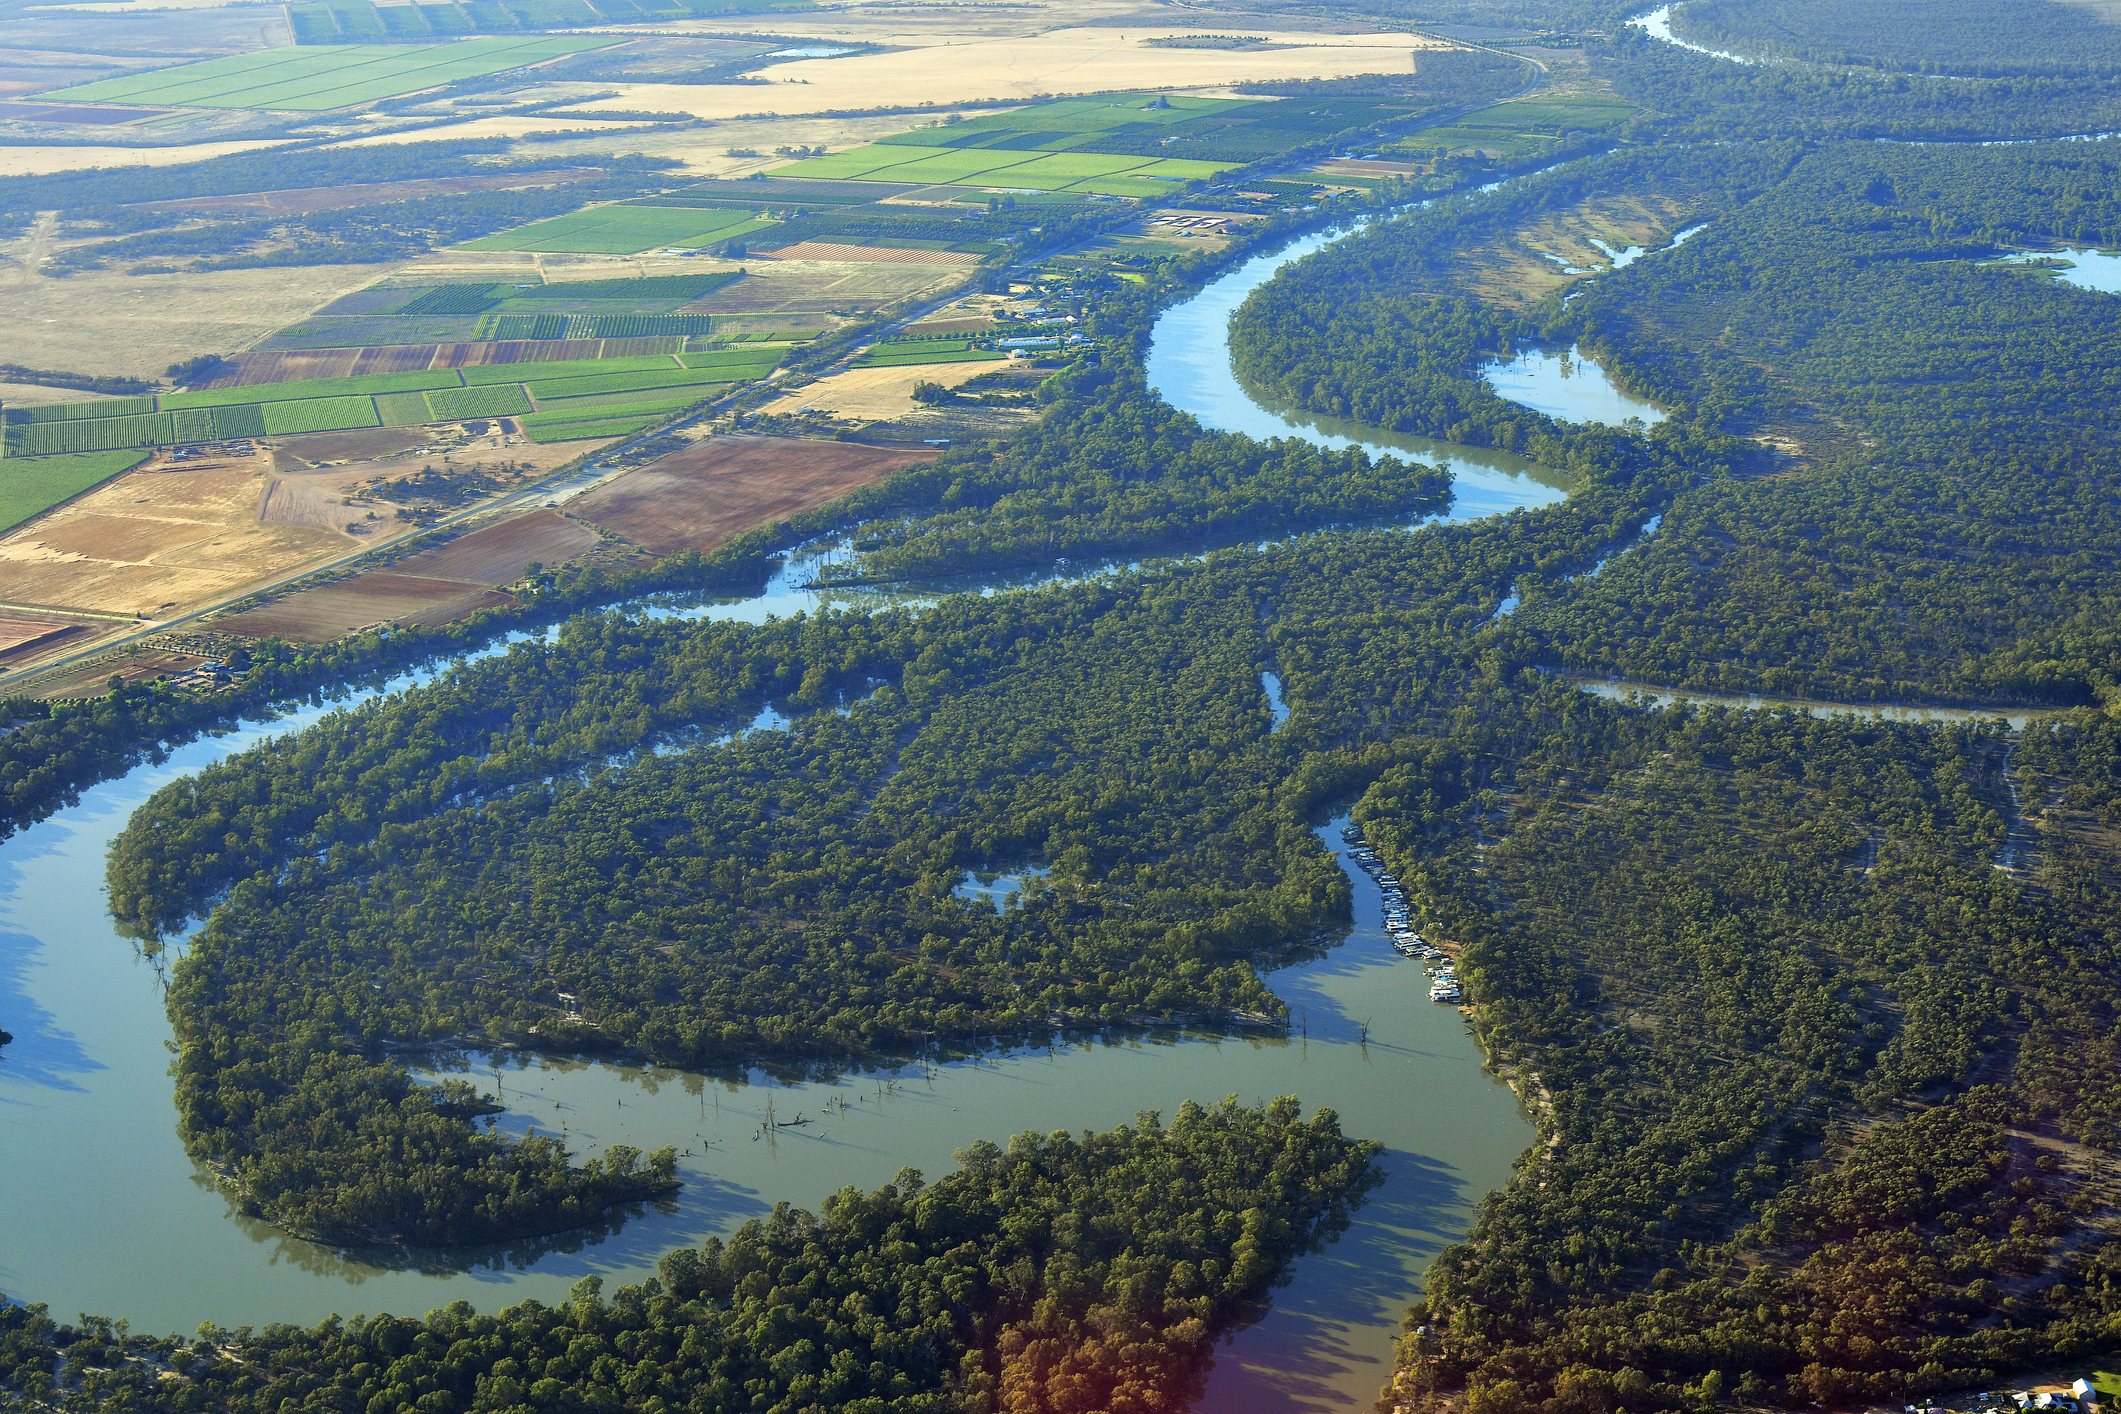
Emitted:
<point x="497" y="554"/>
<point x="321" y="615"/>
<point x="698" y="498"/>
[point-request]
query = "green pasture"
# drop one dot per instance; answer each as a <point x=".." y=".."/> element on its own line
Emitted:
<point x="320" y="77"/>
<point x="1029" y="168"/>
<point x="32" y="487"/>
<point x="623" y="230"/>
<point x="1550" y="115"/>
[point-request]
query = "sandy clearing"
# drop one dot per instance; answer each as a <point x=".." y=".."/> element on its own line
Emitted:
<point x="36" y="161"/>
<point x="963" y="67"/>
<point x="137" y="325"/>
<point x="876" y="394"/>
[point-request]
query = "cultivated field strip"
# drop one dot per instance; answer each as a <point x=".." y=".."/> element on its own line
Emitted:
<point x="315" y="79"/>
<point x="572" y="392"/>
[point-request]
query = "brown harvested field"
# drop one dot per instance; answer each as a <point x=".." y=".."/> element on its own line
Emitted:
<point x="307" y="199"/>
<point x="515" y="351"/>
<point x="321" y="615"/>
<point x="289" y="365"/>
<point x="497" y="554"/>
<point x="291" y="501"/>
<point x="58" y="113"/>
<point x="719" y="487"/>
<point x="968" y="324"/>
<point x="137" y="325"/>
<point x="1360" y="167"/>
<point x="22" y="635"/>
<point x="876" y="394"/>
<point x="156" y="539"/>
<point x="868" y="254"/>
<point x="312" y="449"/>
<point x="818" y="287"/>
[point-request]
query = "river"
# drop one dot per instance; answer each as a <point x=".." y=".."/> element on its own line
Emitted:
<point x="109" y="1215"/>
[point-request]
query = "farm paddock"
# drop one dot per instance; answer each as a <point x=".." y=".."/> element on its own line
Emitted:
<point x="720" y="487"/>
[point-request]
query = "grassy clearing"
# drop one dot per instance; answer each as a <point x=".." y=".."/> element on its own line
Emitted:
<point x="315" y="79"/>
<point x="623" y="230"/>
<point x="30" y="488"/>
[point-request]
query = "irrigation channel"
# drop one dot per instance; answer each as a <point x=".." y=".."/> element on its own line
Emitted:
<point x="107" y="1214"/>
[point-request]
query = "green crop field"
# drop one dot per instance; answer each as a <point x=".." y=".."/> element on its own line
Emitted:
<point x="86" y="434"/>
<point x="582" y="431"/>
<point x="733" y="358"/>
<point x="1550" y="115"/>
<point x="367" y="384"/>
<point x="493" y="400"/>
<point x="30" y="488"/>
<point x="242" y="420"/>
<point x="403" y="409"/>
<point x="192" y="425"/>
<point x="1011" y="167"/>
<point x="630" y="402"/>
<point x="623" y="382"/>
<point x="314" y="79"/>
<point x="320" y="415"/>
<point x="623" y="230"/>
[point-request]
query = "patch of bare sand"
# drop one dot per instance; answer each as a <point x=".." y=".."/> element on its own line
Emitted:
<point x="875" y="394"/>
<point x="156" y="540"/>
<point x="137" y="325"/>
<point x="37" y="161"/>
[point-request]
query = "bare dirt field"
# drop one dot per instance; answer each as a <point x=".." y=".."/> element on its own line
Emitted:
<point x="313" y="449"/>
<point x="868" y="254"/>
<point x="818" y="287"/>
<point x="875" y="394"/>
<point x="497" y="554"/>
<point x="156" y="539"/>
<point x="720" y="487"/>
<point x="321" y="615"/>
<point x="307" y="199"/>
<point x="136" y="325"/>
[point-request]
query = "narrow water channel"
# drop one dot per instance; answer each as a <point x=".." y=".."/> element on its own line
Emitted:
<point x="107" y="1214"/>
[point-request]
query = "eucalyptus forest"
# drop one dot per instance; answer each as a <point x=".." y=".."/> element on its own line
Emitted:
<point x="1813" y="1006"/>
